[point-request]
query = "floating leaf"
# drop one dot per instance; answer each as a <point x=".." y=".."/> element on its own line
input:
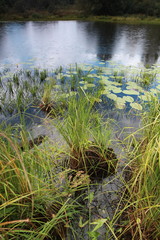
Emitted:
<point x="133" y="84"/>
<point x="105" y="92"/>
<point x="116" y="90"/>
<point x="128" y="99"/>
<point x="82" y="82"/>
<point x="130" y="92"/>
<point x="116" y="83"/>
<point x="110" y="87"/>
<point x="135" y="88"/>
<point x="112" y="96"/>
<point x="120" y="105"/>
<point x="136" y="106"/>
<point x="145" y="97"/>
<point x="89" y="85"/>
<point x="90" y="75"/>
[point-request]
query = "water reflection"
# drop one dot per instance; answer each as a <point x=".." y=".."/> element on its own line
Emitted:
<point x="65" y="42"/>
<point x="129" y="46"/>
<point x="136" y="44"/>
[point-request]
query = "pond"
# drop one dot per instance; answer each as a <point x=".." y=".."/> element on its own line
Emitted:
<point x="117" y="66"/>
<point x="51" y="44"/>
<point x="123" y="53"/>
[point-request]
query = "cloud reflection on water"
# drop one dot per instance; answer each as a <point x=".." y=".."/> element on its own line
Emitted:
<point x="64" y="42"/>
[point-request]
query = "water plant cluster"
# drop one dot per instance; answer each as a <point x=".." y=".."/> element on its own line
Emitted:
<point x="19" y="89"/>
<point x="52" y="191"/>
<point x="124" y="86"/>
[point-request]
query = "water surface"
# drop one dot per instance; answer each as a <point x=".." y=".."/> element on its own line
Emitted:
<point x="58" y="43"/>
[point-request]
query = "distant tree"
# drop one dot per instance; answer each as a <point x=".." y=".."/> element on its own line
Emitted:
<point x="97" y="7"/>
<point x="20" y="6"/>
<point x="3" y="6"/>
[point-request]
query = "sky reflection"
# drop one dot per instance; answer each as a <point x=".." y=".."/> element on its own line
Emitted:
<point x="44" y="44"/>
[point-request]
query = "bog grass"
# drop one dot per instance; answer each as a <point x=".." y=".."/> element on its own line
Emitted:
<point x="32" y="206"/>
<point x="40" y="197"/>
<point x="87" y="135"/>
<point x="143" y="187"/>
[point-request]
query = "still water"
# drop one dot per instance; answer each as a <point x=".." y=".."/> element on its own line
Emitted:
<point x="61" y="43"/>
<point x="51" y="44"/>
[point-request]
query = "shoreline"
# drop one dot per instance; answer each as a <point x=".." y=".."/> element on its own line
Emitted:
<point x="132" y="19"/>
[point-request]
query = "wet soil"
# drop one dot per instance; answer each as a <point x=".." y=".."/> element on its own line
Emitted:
<point x="94" y="162"/>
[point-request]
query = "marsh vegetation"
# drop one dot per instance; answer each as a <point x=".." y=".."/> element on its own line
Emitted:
<point x="61" y="191"/>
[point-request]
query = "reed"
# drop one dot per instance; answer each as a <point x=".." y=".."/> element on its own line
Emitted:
<point x="88" y="139"/>
<point x="33" y="202"/>
<point x="143" y="187"/>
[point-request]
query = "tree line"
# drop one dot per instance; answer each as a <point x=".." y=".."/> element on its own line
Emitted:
<point x="121" y="7"/>
<point x="96" y="7"/>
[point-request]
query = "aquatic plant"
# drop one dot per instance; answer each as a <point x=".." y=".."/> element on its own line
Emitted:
<point x="43" y="75"/>
<point x="1" y="82"/>
<point x="143" y="192"/>
<point x="36" y="72"/>
<point x="147" y="76"/>
<point x="34" y="204"/>
<point x="16" y="80"/>
<point x="28" y="73"/>
<point x="82" y="128"/>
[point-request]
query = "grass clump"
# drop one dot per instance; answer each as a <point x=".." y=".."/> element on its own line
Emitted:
<point x="143" y="189"/>
<point x="87" y="136"/>
<point x="33" y="202"/>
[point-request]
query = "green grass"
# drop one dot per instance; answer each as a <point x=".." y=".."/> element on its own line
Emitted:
<point x="86" y="134"/>
<point x="79" y="15"/>
<point x="143" y="188"/>
<point x="33" y="203"/>
<point x="41" y="189"/>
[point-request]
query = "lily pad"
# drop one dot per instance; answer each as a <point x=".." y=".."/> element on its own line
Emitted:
<point x="120" y="105"/>
<point x="89" y="85"/>
<point x="128" y="99"/>
<point x="130" y="92"/>
<point x="129" y="87"/>
<point x="112" y="96"/>
<point x="82" y="82"/>
<point x="145" y="97"/>
<point x="116" y="90"/>
<point x="106" y="92"/>
<point x="136" y="106"/>
<point x="116" y="83"/>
